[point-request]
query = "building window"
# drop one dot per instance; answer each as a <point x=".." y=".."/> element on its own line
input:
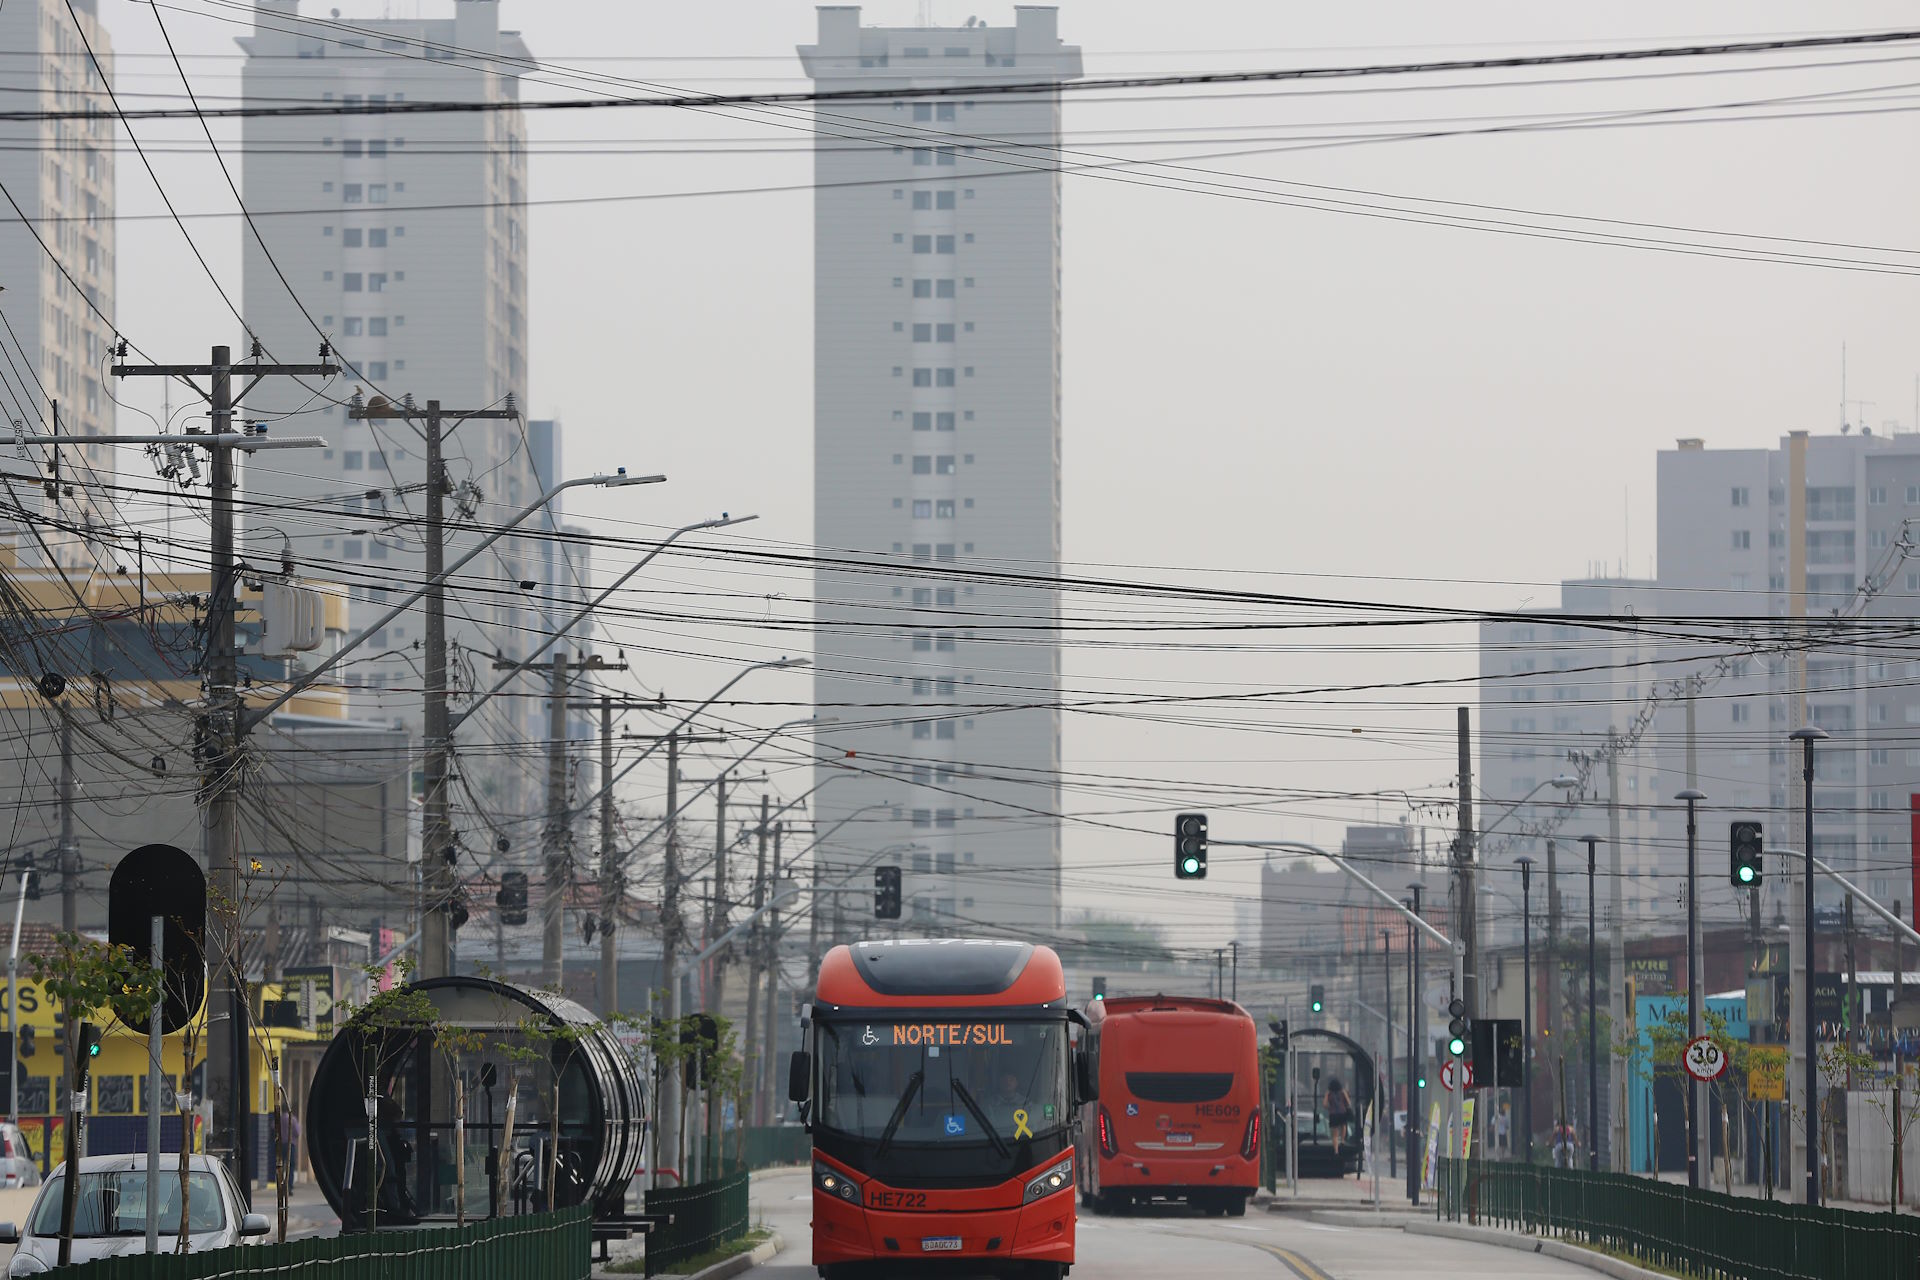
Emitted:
<point x="923" y="464"/>
<point x="922" y="421"/>
<point x="377" y="370"/>
<point x="350" y="192"/>
<point x="350" y="460"/>
<point x="1830" y="502"/>
<point x="350" y="237"/>
<point x="923" y="333"/>
<point x="921" y="199"/>
<point x="942" y="378"/>
<point x="1740" y="497"/>
<point x="350" y="147"/>
<point x="943" y="244"/>
<point x="943" y="421"/>
<point x="923" y="377"/>
<point x="942" y="509"/>
<point x="922" y="509"/>
<point x="1740" y="712"/>
<point x="377" y="238"/>
<point x="351" y="282"/>
<point x="923" y="244"/>
<point x="1742" y="540"/>
<point x="377" y="146"/>
<point x="943" y="200"/>
<point x="377" y="327"/>
<point x="941" y="332"/>
<point x="923" y="288"/>
<point x="1877" y="496"/>
<point x="943" y="465"/>
<point x="943" y="288"/>
<point x="377" y="193"/>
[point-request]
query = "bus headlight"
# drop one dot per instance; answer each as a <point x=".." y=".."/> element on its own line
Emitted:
<point x="1057" y="1178"/>
<point x="835" y="1183"/>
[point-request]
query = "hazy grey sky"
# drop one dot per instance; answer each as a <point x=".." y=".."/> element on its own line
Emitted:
<point x="1262" y="395"/>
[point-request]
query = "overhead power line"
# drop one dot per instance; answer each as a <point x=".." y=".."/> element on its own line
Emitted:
<point x="974" y="89"/>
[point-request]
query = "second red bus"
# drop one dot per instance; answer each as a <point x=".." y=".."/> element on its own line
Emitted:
<point x="1178" y="1115"/>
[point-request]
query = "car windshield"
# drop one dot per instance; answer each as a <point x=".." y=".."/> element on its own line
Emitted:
<point x="988" y="1080"/>
<point x="115" y="1204"/>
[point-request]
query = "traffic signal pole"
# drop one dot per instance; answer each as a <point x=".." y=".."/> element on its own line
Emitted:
<point x="1454" y="949"/>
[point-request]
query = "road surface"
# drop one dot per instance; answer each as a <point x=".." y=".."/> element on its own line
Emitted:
<point x="1176" y="1244"/>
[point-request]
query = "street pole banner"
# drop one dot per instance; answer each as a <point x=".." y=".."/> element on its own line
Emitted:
<point x="1466" y="1127"/>
<point x="1432" y="1149"/>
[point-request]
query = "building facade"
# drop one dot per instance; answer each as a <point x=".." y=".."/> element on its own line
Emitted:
<point x="937" y="418"/>
<point x="58" y="273"/>
<point x="404" y="239"/>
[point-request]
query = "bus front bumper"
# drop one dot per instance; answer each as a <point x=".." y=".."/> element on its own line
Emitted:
<point x="1040" y="1232"/>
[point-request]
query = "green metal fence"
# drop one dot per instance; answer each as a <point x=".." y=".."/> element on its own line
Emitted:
<point x="705" y="1216"/>
<point x="778" y="1144"/>
<point x="542" y="1246"/>
<point x="1697" y="1233"/>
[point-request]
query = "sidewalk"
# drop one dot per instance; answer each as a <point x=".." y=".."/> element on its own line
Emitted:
<point x="1345" y="1193"/>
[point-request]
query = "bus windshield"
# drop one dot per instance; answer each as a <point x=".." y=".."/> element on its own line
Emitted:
<point x="919" y="1082"/>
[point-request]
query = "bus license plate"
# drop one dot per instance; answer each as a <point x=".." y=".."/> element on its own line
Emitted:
<point x="940" y="1244"/>
<point x="1176" y="1138"/>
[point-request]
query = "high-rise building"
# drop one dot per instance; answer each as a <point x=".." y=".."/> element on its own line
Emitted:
<point x="54" y="348"/>
<point x="404" y="238"/>
<point x="937" y="459"/>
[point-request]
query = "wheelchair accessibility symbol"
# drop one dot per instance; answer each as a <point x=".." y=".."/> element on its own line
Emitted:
<point x="956" y="1125"/>
<point x="1133" y="1108"/>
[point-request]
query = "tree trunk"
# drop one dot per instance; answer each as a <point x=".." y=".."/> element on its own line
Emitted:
<point x="284" y="1174"/>
<point x="459" y="1150"/>
<point x="503" y="1168"/>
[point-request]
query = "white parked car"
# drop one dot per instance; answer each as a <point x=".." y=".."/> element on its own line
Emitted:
<point x="18" y="1168"/>
<point x="110" y="1217"/>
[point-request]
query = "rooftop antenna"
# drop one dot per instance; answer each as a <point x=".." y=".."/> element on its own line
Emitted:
<point x="926" y="13"/>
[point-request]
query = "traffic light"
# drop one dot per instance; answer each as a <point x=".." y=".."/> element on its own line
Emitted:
<point x="89" y="1050"/>
<point x="1319" y="998"/>
<point x="1746" y="855"/>
<point x="1279" y="1040"/>
<point x="60" y="1032"/>
<point x="512" y="897"/>
<point x="1457" y="1028"/>
<point x="886" y="893"/>
<point x="26" y="1040"/>
<point x="1099" y="988"/>
<point x="1190" y="846"/>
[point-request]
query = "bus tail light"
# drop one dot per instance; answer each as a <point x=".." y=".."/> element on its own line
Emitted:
<point x="1107" y="1147"/>
<point x="835" y="1183"/>
<point x="1250" y="1145"/>
<point x="1057" y="1177"/>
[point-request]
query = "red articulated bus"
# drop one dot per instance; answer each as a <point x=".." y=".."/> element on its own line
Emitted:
<point x="941" y="1087"/>
<point x="1178" y="1116"/>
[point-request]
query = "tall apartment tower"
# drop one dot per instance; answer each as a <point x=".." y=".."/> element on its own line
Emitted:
<point x="60" y="175"/>
<point x="405" y="238"/>
<point x="937" y="462"/>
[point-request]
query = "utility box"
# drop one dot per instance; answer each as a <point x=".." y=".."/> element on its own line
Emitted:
<point x="293" y="619"/>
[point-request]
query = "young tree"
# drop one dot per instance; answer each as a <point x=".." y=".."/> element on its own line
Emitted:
<point x="88" y="978"/>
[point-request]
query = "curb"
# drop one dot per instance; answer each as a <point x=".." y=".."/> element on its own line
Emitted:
<point x="1535" y="1244"/>
<point x="1390" y="1219"/>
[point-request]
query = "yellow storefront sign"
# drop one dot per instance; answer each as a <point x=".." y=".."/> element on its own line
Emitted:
<point x="1766" y="1074"/>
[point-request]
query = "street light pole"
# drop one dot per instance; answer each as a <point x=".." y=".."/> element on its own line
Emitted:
<point x="1526" y="1005"/>
<point x="1806" y="736"/>
<point x="1593" y="1037"/>
<point x="1416" y="1057"/>
<point x="1692" y="798"/>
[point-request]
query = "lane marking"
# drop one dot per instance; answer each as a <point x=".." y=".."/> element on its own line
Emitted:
<point x="1300" y="1267"/>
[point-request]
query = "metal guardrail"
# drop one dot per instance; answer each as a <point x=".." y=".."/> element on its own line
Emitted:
<point x="541" y="1246"/>
<point x="704" y="1216"/>
<point x="1695" y="1233"/>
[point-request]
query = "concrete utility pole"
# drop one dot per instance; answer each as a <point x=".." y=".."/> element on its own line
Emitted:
<point x="1552" y="961"/>
<point x="437" y="885"/>
<point x="1464" y="896"/>
<point x="220" y="734"/>
<point x="769" y="1069"/>
<point x="69" y="849"/>
<point x="555" y="854"/>
<point x="750" y="1043"/>
<point x="717" y="905"/>
<point x="1616" y="965"/>
<point x="610" y="877"/>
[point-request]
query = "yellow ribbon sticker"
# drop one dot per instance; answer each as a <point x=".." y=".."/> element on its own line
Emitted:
<point x="1020" y="1129"/>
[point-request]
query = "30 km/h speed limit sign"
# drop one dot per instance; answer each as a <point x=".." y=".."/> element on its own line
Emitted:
<point x="1703" y="1059"/>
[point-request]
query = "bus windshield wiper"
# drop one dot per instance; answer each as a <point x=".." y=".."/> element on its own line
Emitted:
<point x="899" y="1112"/>
<point x="986" y="1125"/>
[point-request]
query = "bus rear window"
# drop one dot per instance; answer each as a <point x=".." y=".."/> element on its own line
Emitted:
<point x="1179" y="1086"/>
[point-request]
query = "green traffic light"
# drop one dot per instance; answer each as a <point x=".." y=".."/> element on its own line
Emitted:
<point x="1422" y="1082"/>
<point x="1456" y="1046"/>
<point x="1746" y="875"/>
<point x="93" y="1050"/>
<point x="1316" y="1006"/>
<point x="1190" y="865"/>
